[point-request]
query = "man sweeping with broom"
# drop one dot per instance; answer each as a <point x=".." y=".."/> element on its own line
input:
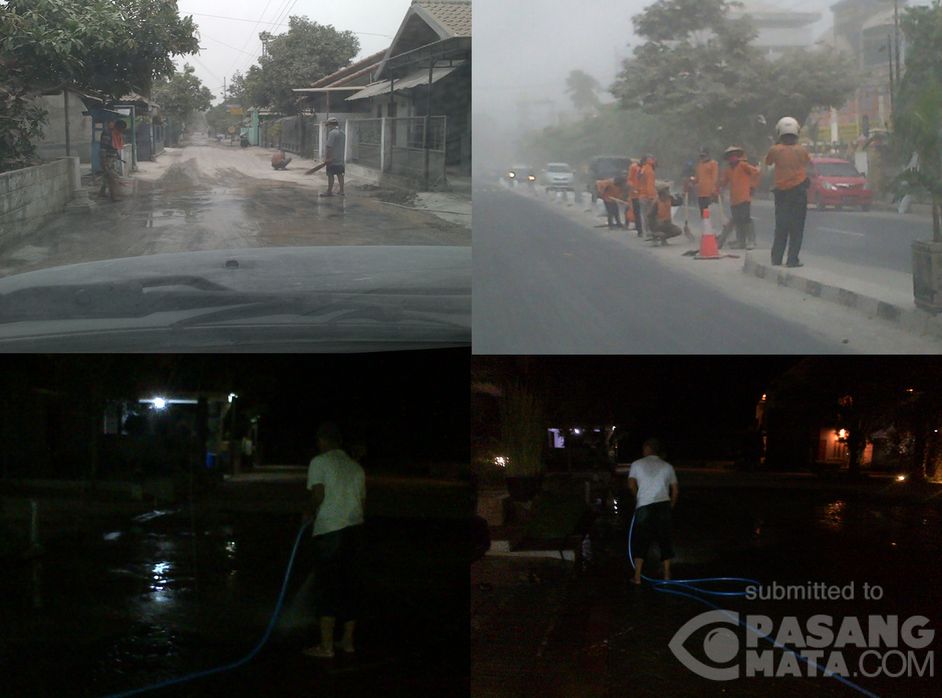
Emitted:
<point x="333" y="157"/>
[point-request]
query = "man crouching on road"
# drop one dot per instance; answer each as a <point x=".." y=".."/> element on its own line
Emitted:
<point x="654" y="485"/>
<point x="279" y="161"/>
<point x="338" y="489"/>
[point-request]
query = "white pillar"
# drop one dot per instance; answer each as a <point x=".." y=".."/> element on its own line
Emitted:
<point x="382" y="144"/>
<point x="346" y="140"/>
<point x="835" y="133"/>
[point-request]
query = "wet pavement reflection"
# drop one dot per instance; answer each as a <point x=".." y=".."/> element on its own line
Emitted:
<point x="188" y="209"/>
<point x="105" y="613"/>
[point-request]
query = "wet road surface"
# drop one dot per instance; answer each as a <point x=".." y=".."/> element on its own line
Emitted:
<point x="596" y="635"/>
<point x="147" y="600"/>
<point x="213" y="197"/>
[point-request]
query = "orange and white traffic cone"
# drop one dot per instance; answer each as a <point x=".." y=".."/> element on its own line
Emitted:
<point x="708" y="247"/>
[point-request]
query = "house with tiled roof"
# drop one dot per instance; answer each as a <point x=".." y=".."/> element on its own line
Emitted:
<point x="427" y="72"/>
<point x="406" y="110"/>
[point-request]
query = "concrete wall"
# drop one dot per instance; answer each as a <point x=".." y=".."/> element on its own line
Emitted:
<point x="27" y="196"/>
<point x="52" y="144"/>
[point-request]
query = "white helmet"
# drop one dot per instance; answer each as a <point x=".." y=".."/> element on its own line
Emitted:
<point x="787" y="125"/>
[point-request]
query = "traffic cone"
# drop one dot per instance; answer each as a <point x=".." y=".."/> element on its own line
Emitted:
<point x="708" y="246"/>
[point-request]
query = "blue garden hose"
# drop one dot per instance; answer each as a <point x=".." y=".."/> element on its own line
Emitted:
<point x="692" y="584"/>
<point x="247" y="658"/>
<point x="675" y="586"/>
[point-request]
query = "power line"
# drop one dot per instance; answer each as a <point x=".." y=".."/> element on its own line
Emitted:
<point x="256" y="24"/>
<point x="230" y="46"/>
<point x="282" y="24"/>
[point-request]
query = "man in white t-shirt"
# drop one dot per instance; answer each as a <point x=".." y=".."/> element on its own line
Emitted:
<point x="654" y="485"/>
<point x="338" y="490"/>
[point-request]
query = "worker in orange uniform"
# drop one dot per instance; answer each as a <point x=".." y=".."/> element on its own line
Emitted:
<point x="791" y="162"/>
<point x="706" y="180"/>
<point x="741" y="177"/>
<point x="647" y="188"/>
<point x="663" y="227"/>
<point x="611" y="191"/>
<point x="634" y="174"/>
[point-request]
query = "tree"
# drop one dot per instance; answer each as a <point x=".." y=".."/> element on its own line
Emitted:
<point x="220" y="118"/>
<point x="109" y="46"/>
<point x="183" y="94"/>
<point x="305" y="53"/>
<point x="918" y="120"/>
<point x="583" y="90"/>
<point x="700" y="74"/>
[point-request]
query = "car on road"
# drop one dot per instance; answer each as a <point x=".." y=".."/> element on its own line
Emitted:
<point x="836" y="182"/>
<point x="557" y="176"/>
<point x="605" y="167"/>
<point x="521" y="174"/>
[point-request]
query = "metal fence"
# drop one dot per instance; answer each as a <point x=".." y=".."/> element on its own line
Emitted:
<point x="293" y="134"/>
<point x="404" y="143"/>
<point x="366" y="142"/>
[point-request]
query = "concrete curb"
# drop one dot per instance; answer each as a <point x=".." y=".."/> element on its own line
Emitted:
<point x="909" y="319"/>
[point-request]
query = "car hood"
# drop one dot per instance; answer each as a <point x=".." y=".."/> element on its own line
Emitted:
<point x="267" y="299"/>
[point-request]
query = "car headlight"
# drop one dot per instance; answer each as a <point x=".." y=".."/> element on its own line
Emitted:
<point x="829" y="186"/>
<point x="511" y="175"/>
<point x="531" y="178"/>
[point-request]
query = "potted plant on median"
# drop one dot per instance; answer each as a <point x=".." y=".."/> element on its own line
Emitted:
<point x="918" y="125"/>
<point x="522" y="435"/>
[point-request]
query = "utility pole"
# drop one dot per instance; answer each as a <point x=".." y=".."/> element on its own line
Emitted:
<point x="889" y="51"/>
<point x="896" y="22"/>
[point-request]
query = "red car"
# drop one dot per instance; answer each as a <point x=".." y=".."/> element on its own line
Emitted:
<point x="836" y="182"/>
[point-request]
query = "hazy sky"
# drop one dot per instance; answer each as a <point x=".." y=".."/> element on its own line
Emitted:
<point x="527" y="47"/>
<point x="230" y="44"/>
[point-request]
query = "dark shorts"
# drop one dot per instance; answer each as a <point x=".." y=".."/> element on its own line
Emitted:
<point x="704" y="202"/>
<point x="337" y="578"/>
<point x="335" y="169"/>
<point x="652" y="525"/>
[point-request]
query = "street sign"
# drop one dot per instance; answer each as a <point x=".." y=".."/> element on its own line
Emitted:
<point x="232" y="129"/>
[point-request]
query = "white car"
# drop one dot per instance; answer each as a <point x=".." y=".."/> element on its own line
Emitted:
<point x="557" y="176"/>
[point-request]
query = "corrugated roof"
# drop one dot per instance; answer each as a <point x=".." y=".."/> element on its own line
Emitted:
<point x="414" y="79"/>
<point x="454" y="16"/>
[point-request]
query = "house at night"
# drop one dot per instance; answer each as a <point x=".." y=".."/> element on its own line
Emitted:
<point x="807" y="426"/>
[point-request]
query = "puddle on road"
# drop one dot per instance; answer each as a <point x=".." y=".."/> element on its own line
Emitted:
<point x="168" y="596"/>
<point x="189" y="210"/>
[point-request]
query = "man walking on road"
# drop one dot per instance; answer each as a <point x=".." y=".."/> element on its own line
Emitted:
<point x="654" y="485"/>
<point x="334" y="157"/>
<point x="791" y="163"/>
<point x="338" y="489"/>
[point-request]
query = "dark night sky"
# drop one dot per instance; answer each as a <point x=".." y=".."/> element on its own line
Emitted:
<point x="404" y="405"/>
<point x="684" y="400"/>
